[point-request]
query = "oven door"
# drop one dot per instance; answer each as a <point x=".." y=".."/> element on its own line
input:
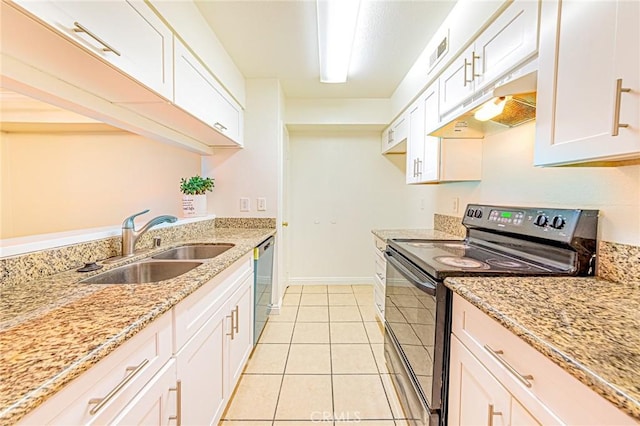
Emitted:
<point x="416" y="339"/>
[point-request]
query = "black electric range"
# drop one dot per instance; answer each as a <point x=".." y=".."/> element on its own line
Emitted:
<point x="500" y="241"/>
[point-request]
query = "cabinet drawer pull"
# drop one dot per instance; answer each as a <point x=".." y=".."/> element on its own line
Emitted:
<point x="379" y="275"/>
<point x="616" y="108"/>
<point x="496" y="354"/>
<point x="82" y="29"/>
<point x="219" y="126"/>
<point x="237" y="323"/>
<point x="178" y="391"/>
<point x="233" y="327"/>
<point x="100" y="402"/>
<point x="473" y="65"/>
<point x="491" y="414"/>
<point x="390" y="137"/>
<point x="466" y="64"/>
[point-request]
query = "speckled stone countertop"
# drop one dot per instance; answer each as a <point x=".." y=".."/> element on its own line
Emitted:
<point x="53" y="329"/>
<point x="429" y="234"/>
<point x="588" y="326"/>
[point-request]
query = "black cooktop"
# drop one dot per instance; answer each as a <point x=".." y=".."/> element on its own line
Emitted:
<point x="447" y="258"/>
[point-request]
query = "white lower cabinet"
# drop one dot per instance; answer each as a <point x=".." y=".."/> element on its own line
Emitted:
<point x="240" y="337"/>
<point x="379" y="281"/>
<point x="496" y="378"/>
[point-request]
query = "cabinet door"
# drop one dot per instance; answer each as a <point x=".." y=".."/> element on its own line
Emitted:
<point x="201" y="371"/>
<point x="585" y="48"/>
<point x="240" y="338"/>
<point x="520" y="416"/>
<point x="509" y="40"/>
<point x="198" y="93"/>
<point x="127" y="34"/>
<point x="431" y="154"/>
<point x="456" y="82"/>
<point x="156" y="403"/>
<point x="415" y="141"/>
<point x="475" y="396"/>
<point x="394" y="136"/>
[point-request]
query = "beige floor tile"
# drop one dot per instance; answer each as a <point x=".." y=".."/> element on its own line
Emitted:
<point x="309" y="359"/>
<point x="311" y="332"/>
<point x="243" y="423"/>
<point x="286" y="314"/>
<point x="344" y="313"/>
<point x="352" y="359"/>
<point x="343" y="289"/>
<point x="365" y="422"/>
<point x="316" y="422"/>
<point x="277" y="332"/>
<point x="374" y="332"/>
<point x="368" y="312"/>
<point x="360" y="396"/>
<point x="362" y="289"/>
<point x="339" y="299"/>
<point x="402" y="423"/>
<point x="314" y="289"/>
<point x="313" y="314"/>
<point x="364" y="299"/>
<point x="268" y="358"/>
<point x="304" y="397"/>
<point x="378" y="354"/>
<point x="293" y="289"/>
<point x="314" y="299"/>
<point x="291" y="299"/>
<point x="392" y="397"/>
<point x="255" y="398"/>
<point x="348" y="332"/>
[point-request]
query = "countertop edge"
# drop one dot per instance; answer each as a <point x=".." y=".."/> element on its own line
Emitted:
<point x="613" y="394"/>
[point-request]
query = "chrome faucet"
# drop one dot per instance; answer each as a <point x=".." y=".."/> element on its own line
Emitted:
<point x="130" y="235"/>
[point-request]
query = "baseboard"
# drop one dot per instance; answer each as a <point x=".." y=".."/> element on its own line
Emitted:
<point x="295" y="281"/>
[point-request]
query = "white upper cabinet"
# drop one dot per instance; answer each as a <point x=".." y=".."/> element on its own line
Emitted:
<point x="509" y="41"/>
<point x="199" y="93"/>
<point x="415" y="141"/>
<point x="394" y="137"/>
<point x="126" y="34"/>
<point x="588" y="82"/>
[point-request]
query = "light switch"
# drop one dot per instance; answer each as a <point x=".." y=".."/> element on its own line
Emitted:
<point x="262" y="204"/>
<point x="245" y="205"/>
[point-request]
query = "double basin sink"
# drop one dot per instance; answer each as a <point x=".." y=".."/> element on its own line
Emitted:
<point x="168" y="264"/>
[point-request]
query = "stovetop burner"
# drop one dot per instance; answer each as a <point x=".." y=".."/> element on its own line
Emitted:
<point x="461" y="262"/>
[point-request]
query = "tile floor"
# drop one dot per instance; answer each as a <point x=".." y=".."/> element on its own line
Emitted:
<point x="320" y="361"/>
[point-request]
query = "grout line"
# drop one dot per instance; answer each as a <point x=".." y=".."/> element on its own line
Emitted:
<point x="333" y="398"/>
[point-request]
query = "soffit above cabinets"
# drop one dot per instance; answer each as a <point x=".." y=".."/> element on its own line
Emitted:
<point x="23" y="114"/>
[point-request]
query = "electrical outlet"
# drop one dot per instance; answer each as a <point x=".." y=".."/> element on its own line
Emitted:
<point x="245" y="204"/>
<point x="455" y="204"/>
<point x="262" y="204"/>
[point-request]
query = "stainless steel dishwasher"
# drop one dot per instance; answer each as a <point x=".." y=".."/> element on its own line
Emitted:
<point x="263" y="283"/>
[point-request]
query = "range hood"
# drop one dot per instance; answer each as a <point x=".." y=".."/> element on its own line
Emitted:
<point x="519" y="96"/>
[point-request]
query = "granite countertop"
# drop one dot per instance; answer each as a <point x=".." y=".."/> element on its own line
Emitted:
<point x="54" y="329"/>
<point x="588" y="326"/>
<point x="427" y="234"/>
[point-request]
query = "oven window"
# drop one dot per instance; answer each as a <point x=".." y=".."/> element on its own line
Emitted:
<point x="410" y="313"/>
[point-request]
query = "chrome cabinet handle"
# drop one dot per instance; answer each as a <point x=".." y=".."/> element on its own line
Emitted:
<point x="390" y="137"/>
<point x="219" y="126"/>
<point x="78" y="28"/>
<point x="492" y="413"/>
<point x="466" y="64"/>
<point x="100" y="402"/>
<point x="233" y="327"/>
<point x="616" y="108"/>
<point x="496" y="354"/>
<point x="237" y="323"/>
<point x="178" y="391"/>
<point x="419" y="172"/>
<point x="473" y="65"/>
<point x="380" y="276"/>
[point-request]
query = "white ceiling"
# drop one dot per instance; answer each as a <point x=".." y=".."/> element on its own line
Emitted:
<point x="277" y="39"/>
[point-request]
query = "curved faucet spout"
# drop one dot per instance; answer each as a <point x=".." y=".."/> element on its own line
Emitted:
<point x="130" y="236"/>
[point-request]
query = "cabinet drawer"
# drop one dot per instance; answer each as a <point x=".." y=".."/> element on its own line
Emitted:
<point x="194" y="311"/>
<point x="552" y="392"/>
<point x="122" y="375"/>
<point x="380" y="245"/>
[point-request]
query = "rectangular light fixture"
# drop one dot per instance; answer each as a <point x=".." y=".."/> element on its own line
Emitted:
<point x="337" y="20"/>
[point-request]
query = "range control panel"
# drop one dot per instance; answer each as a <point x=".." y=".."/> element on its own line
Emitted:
<point x="548" y="223"/>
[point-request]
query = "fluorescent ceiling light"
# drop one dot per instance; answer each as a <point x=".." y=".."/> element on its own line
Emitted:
<point x="490" y="109"/>
<point x="337" y="20"/>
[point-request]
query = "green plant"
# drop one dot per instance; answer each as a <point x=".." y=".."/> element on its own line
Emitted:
<point x="196" y="185"/>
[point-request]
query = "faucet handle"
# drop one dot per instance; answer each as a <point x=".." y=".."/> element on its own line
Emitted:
<point x="128" y="222"/>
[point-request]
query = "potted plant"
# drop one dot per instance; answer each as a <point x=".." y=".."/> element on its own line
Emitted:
<point x="194" y="200"/>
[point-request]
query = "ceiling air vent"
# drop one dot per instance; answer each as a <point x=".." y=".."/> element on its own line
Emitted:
<point x="441" y="49"/>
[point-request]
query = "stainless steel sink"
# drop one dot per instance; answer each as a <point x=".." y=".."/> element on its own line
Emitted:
<point x="194" y="251"/>
<point x="142" y="272"/>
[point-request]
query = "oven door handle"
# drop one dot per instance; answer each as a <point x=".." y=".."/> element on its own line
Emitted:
<point x="427" y="286"/>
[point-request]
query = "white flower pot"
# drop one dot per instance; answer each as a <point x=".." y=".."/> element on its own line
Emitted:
<point x="194" y="205"/>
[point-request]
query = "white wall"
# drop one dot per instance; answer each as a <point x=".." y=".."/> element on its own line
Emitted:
<point x="508" y="177"/>
<point x="250" y="172"/>
<point x="341" y="187"/>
